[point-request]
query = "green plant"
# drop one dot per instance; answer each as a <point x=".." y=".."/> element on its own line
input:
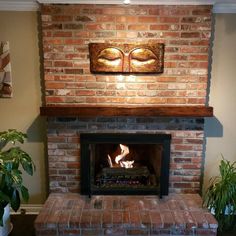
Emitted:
<point x="12" y="159"/>
<point x="220" y="196"/>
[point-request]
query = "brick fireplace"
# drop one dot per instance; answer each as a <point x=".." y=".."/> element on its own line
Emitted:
<point x="68" y="83"/>
<point x="67" y="30"/>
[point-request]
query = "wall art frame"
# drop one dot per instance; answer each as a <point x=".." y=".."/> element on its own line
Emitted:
<point x="5" y="71"/>
<point x="126" y="57"/>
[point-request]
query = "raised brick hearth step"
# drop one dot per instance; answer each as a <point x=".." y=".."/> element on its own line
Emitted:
<point x="76" y="215"/>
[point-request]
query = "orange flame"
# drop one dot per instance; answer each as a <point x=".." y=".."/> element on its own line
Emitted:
<point x="119" y="158"/>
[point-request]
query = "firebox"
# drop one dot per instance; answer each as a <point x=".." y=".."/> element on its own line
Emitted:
<point x="125" y="163"/>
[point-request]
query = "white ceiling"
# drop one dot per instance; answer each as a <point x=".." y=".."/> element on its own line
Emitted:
<point x="220" y="6"/>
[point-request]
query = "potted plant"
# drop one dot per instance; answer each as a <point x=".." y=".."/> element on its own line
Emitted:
<point x="12" y="160"/>
<point x="220" y="196"/>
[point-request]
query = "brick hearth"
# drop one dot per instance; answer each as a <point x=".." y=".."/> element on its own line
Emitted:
<point x="75" y="215"/>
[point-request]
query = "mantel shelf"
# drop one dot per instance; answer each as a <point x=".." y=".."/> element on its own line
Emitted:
<point x="145" y="111"/>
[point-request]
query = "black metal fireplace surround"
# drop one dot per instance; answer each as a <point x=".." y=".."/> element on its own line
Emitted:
<point x="148" y="162"/>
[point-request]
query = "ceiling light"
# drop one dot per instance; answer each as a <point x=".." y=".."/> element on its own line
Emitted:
<point x="126" y="1"/>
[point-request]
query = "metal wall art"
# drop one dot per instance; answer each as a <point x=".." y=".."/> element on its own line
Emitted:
<point x="126" y="58"/>
<point x="5" y="71"/>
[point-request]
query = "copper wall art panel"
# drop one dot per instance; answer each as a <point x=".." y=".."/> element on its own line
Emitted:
<point x="126" y="58"/>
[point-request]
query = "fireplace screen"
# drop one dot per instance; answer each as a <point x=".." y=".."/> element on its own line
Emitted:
<point x="125" y="163"/>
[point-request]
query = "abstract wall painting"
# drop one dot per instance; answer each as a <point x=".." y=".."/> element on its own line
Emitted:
<point x="126" y="58"/>
<point x="5" y="71"/>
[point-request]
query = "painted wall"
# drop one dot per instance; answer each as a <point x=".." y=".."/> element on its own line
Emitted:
<point x="22" y="111"/>
<point x="221" y="130"/>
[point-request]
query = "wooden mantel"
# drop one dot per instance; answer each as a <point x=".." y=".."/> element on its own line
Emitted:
<point x="145" y="111"/>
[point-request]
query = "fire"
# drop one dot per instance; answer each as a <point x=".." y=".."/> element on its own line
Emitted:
<point x="119" y="159"/>
<point x="127" y="164"/>
<point x="124" y="153"/>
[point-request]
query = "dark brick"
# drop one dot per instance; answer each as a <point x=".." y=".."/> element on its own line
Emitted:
<point x="73" y="26"/>
<point x="83" y="18"/>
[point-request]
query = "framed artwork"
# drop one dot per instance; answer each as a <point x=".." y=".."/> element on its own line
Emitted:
<point x="126" y="58"/>
<point x="5" y="71"/>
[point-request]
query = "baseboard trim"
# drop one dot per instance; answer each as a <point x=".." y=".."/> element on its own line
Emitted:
<point x="29" y="209"/>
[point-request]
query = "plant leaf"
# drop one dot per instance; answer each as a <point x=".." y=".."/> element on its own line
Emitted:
<point x="24" y="193"/>
<point x="16" y="176"/>
<point x="27" y="163"/>
<point x="15" y="200"/>
<point x="4" y="197"/>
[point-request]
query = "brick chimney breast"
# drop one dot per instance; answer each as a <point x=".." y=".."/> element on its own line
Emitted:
<point x="68" y="29"/>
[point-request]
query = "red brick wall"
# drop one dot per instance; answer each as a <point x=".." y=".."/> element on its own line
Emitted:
<point x="67" y="30"/>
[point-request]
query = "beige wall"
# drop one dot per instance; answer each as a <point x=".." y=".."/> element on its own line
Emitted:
<point x="22" y="111"/>
<point x="221" y="130"/>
